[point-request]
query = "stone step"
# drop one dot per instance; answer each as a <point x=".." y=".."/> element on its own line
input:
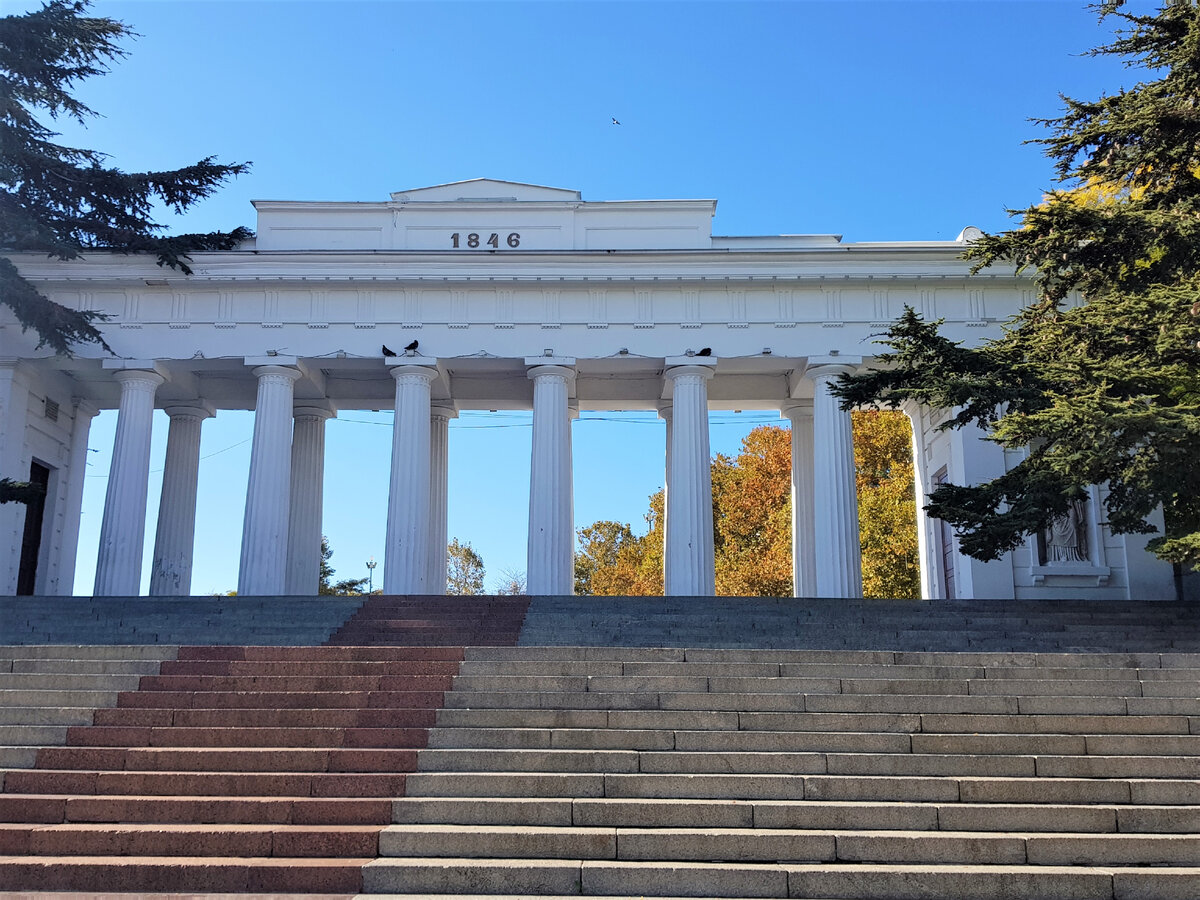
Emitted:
<point x="46" y="715"/>
<point x="32" y="735"/>
<point x="165" y="873"/>
<point x="266" y="718"/>
<point x="320" y="654"/>
<point x="1177" y="794"/>
<point x="243" y="759"/>
<point x="273" y="700"/>
<point x="94" y="839"/>
<point x="19" y="682"/>
<point x="240" y="784"/>
<point x="23" y="665"/>
<point x="309" y="667"/>
<point x="860" y="881"/>
<point x="87" y="651"/>
<point x="179" y="736"/>
<point x="775" y="844"/>
<point x="53" y="809"/>
<point x="291" y="683"/>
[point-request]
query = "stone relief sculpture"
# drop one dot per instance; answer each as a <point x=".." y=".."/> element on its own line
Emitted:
<point x="1066" y="540"/>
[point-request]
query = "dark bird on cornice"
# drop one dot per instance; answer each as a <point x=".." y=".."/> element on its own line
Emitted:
<point x="411" y="347"/>
<point x="387" y="352"/>
<point x="707" y="351"/>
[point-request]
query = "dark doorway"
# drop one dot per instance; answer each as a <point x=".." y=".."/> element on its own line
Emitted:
<point x="31" y="542"/>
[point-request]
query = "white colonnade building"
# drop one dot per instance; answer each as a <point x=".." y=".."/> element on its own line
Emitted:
<point x="581" y="305"/>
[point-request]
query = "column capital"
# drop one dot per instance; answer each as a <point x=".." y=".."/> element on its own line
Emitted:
<point x="133" y="376"/>
<point x="831" y="366"/>
<point x="442" y="411"/>
<point x="196" y="409"/>
<point x="283" y="371"/>
<point x="418" y="367"/>
<point x="313" y="412"/>
<point x="794" y="409"/>
<point x="84" y="407"/>
<point x="677" y="369"/>
<point x="564" y="371"/>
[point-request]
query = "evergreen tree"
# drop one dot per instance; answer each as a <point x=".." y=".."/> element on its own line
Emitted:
<point x="1104" y="391"/>
<point x="65" y="201"/>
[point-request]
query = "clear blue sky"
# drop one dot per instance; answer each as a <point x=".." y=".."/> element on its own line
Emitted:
<point x="876" y="120"/>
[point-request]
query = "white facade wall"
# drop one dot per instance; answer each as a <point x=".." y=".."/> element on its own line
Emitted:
<point x="621" y="287"/>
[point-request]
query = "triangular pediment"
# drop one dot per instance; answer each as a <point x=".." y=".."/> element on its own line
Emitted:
<point x="486" y="190"/>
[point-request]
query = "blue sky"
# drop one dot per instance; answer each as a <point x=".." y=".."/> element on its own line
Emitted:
<point x="885" y="120"/>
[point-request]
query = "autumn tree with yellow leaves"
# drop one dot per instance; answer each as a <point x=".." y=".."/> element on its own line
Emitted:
<point x="752" y="521"/>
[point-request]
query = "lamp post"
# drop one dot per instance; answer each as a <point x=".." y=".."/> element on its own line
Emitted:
<point x="371" y="564"/>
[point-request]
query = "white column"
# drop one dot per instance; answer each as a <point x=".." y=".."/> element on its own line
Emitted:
<point x="306" y="500"/>
<point x="835" y="500"/>
<point x="804" y="548"/>
<point x="665" y="413"/>
<point x="265" y="526"/>
<point x="689" y="544"/>
<point x="123" y="529"/>
<point x="439" y="486"/>
<point x="81" y="427"/>
<point x="406" y="555"/>
<point x="171" y="570"/>
<point x="928" y="565"/>
<point x="14" y="464"/>
<point x="551" y="568"/>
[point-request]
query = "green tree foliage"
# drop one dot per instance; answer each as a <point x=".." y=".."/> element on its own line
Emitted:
<point x="1104" y="392"/>
<point x="19" y="491"/>
<point x="752" y="521"/>
<point x="349" y="587"/>
<point x="64" y="201"/>
<point x="464" y="573"/>
<point x="887" y="504"/>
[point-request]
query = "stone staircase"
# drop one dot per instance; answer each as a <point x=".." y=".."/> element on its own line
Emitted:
<point x="233" y="769"/>
<point x="915" y="751"/>
<point x="815" y="774"/>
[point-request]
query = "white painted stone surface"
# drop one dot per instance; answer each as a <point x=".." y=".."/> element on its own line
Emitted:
<point x="406" y="560"/>
<point x="174" y="540"/>
<point x="804" y="537"/>
<point x="306" y="499"/>
<point x="689" y="543"/>
<point x="119" y="561"/>
<point x="621" y="287"/>
<point x="835" y="502"/>
<point x="551" y="528"/>
<point x="263" y="564"/>
<point x="439" y="487"/>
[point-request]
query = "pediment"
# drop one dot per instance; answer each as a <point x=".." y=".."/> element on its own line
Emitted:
<point x="486" y="190"/>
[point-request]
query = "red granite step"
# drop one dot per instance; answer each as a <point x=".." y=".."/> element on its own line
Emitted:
<point x="94" y="839"/>
<point x="281" y="699"/>
<point x="242" y="736"/>
<point x="267" y="718"/>
<point x="52" y="809"/>
<point x="235" y="769"/>
<point x="311" y="668"/>
<point x="230" y="759"/>
<point x="317" y="654"/>
<point x="240" y="784"/>
<point x="295" y="683"/>
<point x="215" y="874"/>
